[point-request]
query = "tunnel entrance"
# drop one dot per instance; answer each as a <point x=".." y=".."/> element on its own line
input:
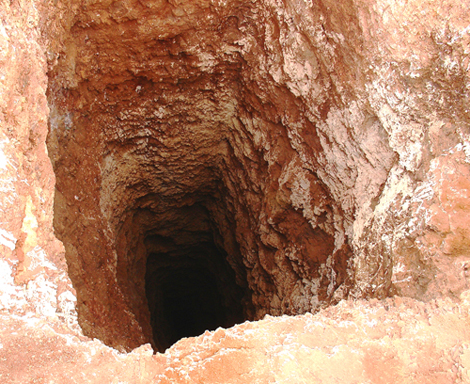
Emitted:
<point x="189" y="285"/>
<point x="190" y="303"/>
<point x="186" y="298"/>
<point x="174" y="268"/>
<point x="188" y="194"/>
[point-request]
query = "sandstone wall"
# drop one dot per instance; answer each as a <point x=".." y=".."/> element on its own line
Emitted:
<point x="310" y="132"/>
<point x="33" y="271"/>
<point x="321" y="147"/>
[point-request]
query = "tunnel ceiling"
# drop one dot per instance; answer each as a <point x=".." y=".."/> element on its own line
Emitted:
<point x="192" y="146"/>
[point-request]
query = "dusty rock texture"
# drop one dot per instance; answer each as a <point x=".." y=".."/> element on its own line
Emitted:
<point x="210" y="162"/>
<point x="392" y="341"/>
<point x="301" y="139"/>
<point x="33" y="275"/>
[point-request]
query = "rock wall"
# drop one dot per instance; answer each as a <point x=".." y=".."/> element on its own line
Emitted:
<point x="395" y="341"/>
<point x="309" y="141"/>
<point x="277" y="157"/>
<point x="33" y="272"/>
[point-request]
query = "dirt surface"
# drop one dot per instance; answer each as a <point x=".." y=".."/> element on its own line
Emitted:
<point x="390" y="341"/>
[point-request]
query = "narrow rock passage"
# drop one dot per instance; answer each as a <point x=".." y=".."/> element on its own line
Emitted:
<point x="216" y="161"/>
<point x="268" y="146"/>
<point x="190" y="287"/>
<point x="173" y="163"/>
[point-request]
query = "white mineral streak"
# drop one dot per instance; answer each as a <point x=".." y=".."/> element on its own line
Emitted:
<point x="7" y="239"/>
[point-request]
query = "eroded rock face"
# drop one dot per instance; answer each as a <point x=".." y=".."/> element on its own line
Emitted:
<point x="393" y="341"/>
<point x="290" y="138"/>
<point x="33" y="275"/>
<point x="219" y="161"/>
<point x="162" y="135"/>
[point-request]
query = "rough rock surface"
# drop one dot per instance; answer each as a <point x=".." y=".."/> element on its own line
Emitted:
<point x="271" y="157"/>
<point x="397" y="340"/>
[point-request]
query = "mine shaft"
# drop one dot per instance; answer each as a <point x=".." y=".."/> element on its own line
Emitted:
<point x="182" y="198"/>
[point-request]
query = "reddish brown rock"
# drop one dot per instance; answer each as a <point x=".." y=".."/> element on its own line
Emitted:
<point x="215" y="162"/>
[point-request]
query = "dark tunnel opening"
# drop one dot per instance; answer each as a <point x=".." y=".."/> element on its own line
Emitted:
<point x="190" y="286"/>
<point x="183" y="198"/>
